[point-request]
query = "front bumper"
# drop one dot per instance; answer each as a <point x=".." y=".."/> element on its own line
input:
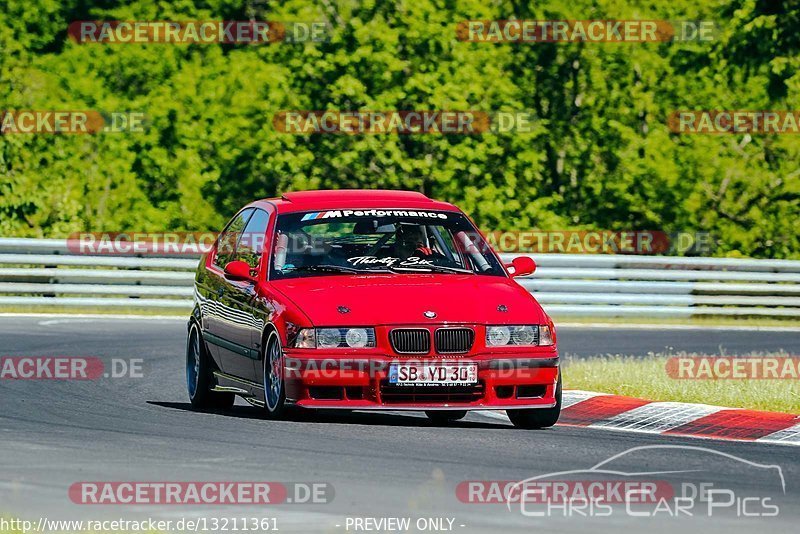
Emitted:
<point x="336" y="381"/>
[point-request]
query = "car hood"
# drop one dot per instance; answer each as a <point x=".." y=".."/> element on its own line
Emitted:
<point x="403" y="299"/>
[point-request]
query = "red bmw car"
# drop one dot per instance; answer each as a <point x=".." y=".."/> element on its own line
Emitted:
<point x="368" y="300"/>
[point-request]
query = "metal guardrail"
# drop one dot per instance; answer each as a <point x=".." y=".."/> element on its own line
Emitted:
<point x="41" y="272"/>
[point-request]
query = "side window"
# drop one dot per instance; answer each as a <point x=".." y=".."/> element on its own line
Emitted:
<point x="251" y="244"/>
<point x="226" y="247"/>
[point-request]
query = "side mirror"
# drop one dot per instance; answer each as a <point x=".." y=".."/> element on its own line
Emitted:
<point x="238" y="271"/>
<point x="521" y="266"/>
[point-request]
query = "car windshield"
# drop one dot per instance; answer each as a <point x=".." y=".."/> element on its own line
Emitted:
<point x="379" y="241"/>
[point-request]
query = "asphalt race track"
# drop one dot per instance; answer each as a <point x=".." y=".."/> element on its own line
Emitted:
<point x="56" y="433"/>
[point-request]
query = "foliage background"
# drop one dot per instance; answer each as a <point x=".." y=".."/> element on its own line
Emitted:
<point x="601" y="157"/>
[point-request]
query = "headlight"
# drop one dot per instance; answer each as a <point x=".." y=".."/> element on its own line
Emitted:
<point x="358" y="337"/>
<point x="497" y="336"/>
<point x="333" y="338"/>
<point x="328" y="338"/>
<point x="306" y="339"/>
<point x="518" y="336"/>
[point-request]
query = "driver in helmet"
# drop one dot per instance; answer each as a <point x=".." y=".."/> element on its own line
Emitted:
<point x="412" y="241"/>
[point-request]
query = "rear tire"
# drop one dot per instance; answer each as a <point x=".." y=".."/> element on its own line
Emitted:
<point x="443" y="417"/>
<point x="536" y="418"/>
<point x="273" y="379"/>
<point x="199" y="375"/>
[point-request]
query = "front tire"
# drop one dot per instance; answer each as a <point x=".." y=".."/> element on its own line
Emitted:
<point x="273" y="379"/>
<point x="199" y="379"/>
<point x="536" y="418"/>
<point x="443" y="417"/>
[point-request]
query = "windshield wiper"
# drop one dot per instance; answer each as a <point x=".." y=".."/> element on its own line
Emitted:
<point x="323" y="269"/>
<point x="338" y="269"/>
<point x="326" y="268"/>
<point x="433" y="268"/>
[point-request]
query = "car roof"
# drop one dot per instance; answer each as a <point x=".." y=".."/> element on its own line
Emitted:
<point x="297" y="201"/>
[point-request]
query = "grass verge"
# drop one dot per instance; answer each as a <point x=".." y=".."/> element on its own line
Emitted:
<point x="647" y="378"/>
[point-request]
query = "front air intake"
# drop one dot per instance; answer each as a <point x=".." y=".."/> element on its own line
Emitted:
<point x="454" y="340"/>
<point x="410" y="340"/>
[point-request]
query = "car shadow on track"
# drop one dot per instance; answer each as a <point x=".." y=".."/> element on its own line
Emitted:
<point x="335" y="417"/>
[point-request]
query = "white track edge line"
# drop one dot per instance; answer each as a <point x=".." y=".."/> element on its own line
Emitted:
<point x="67" y="316"/>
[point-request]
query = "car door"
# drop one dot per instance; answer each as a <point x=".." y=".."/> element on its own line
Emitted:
<point x="216" y="310"/>
<point x="241" y="359"/>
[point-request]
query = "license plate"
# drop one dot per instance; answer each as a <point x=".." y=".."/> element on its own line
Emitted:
<point x="437" y="374"/>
